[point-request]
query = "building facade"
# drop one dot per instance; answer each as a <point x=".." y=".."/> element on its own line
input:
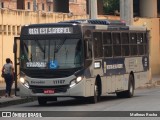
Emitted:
<point x="12" y="19"/>
<point x="77" y="7"/>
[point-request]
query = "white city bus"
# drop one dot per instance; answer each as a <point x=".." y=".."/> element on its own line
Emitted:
<point x="80" y="58"/>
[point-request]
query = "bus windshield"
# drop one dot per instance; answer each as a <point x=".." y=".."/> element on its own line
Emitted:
<point x="51" y="54"/>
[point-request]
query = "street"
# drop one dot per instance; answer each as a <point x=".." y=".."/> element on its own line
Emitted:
<point x="146" y="99"/>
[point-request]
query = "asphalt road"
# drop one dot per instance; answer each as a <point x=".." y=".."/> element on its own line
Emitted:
<point x="145" y="101"/>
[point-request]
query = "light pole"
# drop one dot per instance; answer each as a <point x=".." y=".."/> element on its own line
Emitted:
<point x="92" y="9"/>
<point x="34" y="5"/>
<point x="126" y="11"/>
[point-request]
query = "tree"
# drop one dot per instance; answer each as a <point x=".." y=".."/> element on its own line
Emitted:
<point x="111" y="7"/>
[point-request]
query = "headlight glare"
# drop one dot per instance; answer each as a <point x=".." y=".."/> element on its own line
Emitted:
<point x="73" y="83"/>
<point x="78" y="79"/>
<point x="22" y="80"/>
<point x="26" y="84"/>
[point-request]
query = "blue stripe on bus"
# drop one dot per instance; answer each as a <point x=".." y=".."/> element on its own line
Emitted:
<point x="113" y="66"/>
<point x="116" y="66"/>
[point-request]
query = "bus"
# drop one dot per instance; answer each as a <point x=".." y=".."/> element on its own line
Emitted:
<point x="81" y="59"/>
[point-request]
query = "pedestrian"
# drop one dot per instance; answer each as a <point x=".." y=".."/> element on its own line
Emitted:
<point x="8" y="76"/>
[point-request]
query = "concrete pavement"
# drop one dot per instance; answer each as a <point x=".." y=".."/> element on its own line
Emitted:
<point x="13" y="100"/>
<point x="17" y="100"/>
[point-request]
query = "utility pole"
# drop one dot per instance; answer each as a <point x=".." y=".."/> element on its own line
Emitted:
<point x="126" y="11"/>
<point x="34" y="5"/>
<point x="0" y="4"/>
<point x="92" y="9"/>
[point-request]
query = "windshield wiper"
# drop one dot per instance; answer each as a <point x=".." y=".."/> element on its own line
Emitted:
<point x="58" y="47"/>
<point x="39" y="45"/>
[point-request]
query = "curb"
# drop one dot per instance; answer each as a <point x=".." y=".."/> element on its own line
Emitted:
<point x="16" y="101"/>
<point x="2" y="92"/>
<point x="151" y="85"/>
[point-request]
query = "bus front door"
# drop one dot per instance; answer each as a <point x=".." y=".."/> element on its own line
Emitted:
<point x="16" y="51"/>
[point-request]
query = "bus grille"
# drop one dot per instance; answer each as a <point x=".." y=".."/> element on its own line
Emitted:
<point x="57" y="89"/>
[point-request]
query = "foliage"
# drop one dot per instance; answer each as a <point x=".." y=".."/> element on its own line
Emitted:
<point x="110" y="6"/>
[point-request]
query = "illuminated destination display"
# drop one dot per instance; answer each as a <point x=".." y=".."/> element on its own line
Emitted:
<point x="50" y="30"/>
<point x="36" y="64"/>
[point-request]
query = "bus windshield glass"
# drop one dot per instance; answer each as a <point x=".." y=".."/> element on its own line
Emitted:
<point x="51" y="54"/>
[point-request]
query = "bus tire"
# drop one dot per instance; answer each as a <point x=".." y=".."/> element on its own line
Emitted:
<point x="94" y="99"/>
<point x="42" y="101"/>
<point x="130" y="92"/>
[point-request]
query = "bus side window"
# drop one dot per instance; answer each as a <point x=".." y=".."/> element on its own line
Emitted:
<point x="140" y="42"/>
<point x="133" y="44"/>
<point x="125" y="43"/>
<point x="146" y="40"/>
<point x="88" y="49"/>
<point x="116" y="44"/>
<point x="88" y="52"/>
<point x="98" y="48"/>
<point x="107" y="44"/>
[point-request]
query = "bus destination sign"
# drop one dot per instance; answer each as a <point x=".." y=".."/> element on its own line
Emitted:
<point x="50" y="30"/>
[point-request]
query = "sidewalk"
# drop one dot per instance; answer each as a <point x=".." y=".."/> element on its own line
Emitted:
<point x="13" y="100"/>
<point x="17" y="100"/>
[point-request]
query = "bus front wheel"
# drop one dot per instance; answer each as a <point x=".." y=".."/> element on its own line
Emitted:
<point x="94" y="99"/>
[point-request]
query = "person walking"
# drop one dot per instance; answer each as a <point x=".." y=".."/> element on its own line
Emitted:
<point x="8" y="76"/>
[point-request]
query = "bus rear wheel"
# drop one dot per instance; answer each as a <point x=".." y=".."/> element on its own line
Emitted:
<point x="130" y="92"/>
<point x="42" y="101"/>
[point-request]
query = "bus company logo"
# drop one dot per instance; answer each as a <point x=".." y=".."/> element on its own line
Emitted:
<point x="6" y="114"/>
<point x="114" y="66"/>
<point x="37" y="82"/>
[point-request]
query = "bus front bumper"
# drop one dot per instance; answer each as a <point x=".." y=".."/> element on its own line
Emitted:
<point x="75" y="91"/>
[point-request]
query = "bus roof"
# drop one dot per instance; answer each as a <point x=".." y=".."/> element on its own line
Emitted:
<point x="96" y="21"/>
<point x="84" y="21"/>
<point x="100" y="24"/>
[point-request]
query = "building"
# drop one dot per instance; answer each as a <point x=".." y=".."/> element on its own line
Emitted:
<point x="76" y="7"/>
<point x="146" y="13"/>
<point x="66" y="6"/>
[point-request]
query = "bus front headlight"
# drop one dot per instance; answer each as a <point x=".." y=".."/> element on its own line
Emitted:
<point x="76" y="81"/>
<point x="73" y="83"/>
<point x="24" y="82"/>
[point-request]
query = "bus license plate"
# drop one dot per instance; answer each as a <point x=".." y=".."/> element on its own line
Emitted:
<point x="49" y="91"/>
